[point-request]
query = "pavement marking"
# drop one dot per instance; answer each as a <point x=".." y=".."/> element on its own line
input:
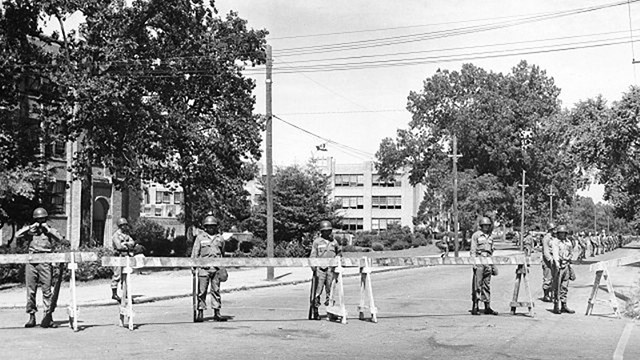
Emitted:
<point x="622" y="343"/>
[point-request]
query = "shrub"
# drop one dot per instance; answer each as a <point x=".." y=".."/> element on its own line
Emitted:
<point x="11" y="273"/>
<point x="399" y="245"/>
<point x="151" y="235"/>
<point x="180" y="247"/>
<point x="376" y="246"/>
<point x="92" y="270"/>
<point x="365" y="239"/>
<point x="350" y="248"/>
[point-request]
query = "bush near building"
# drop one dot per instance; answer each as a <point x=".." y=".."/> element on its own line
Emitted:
<point x="395" y="237"/>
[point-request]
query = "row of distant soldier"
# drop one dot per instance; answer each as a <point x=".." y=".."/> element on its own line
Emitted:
<point x="585" y="244"/>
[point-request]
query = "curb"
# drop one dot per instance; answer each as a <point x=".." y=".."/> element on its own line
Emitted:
<point x="150" y="299"/>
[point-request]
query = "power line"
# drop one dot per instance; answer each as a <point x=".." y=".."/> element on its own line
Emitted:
<point x="345" y="148"/>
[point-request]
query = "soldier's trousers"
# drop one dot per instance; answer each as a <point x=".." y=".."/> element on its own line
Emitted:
<point x="481" y="283"/>
<point x="206" y="278"/>
<point x="38" y="274"/>
<point x="548" y="270"/>
<point x="562" y="284"/>
<point x="325" y="279"/>
<point x="116" y="277"/>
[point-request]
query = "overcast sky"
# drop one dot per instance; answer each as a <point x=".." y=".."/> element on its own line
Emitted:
<point x="359" y="106"/>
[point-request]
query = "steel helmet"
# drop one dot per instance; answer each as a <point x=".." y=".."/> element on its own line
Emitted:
<point x="210" y="220"/>
<point x="551" y="226"/>
<point x="40" y="213"/>
<point x="562" y="229"/>
<point x="485" y="221"/>
<point x="325" y="225"/>
<point x="123" y="221"/>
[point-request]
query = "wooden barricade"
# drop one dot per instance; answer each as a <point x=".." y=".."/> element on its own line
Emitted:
<point x="602" y="272"/>
<point x="337" y="307"/>
<point x="71" y="258"/>
<point x="522" y="280"/>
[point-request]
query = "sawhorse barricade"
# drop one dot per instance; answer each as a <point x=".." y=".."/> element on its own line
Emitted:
<point x="71" y="259"/>
<point x="602" y="271"/>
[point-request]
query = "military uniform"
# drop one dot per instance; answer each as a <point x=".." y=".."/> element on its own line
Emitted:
<point x="562" y="253"/>
<point x="40" y="239"/>
<point x="548" y="267"/>
<point x="482" y="246"/>
<point x="323" y="248"/>
<point x="123" y="244"/>
<point x="208" y="246"/>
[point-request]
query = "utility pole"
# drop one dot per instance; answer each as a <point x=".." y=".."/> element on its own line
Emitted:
<point x="270" y="245"/>
<point x="595" y="218"/>
<point x="456" y="226"/>
<point x="551" y="195"/>
<point x="523" y="186"/>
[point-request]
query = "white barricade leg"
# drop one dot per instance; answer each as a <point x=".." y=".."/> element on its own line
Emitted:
<point x="126" y="304"/>
<point x="337" y="308"/>
<point x="366" y="292"/>
<point x="613" y="300"/>
<point x="73" y="306"/>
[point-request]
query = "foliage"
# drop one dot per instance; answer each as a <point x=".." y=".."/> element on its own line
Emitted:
<point x="151" y="236"/>
<point x="376" y="246"/>
<point x="300" y="201"/>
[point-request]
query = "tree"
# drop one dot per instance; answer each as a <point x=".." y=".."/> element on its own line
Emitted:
<point x="487" y="112"/>
<point x="607" y="141"/>
<point x="160" y="96"/>
<point x="301" y="199"/>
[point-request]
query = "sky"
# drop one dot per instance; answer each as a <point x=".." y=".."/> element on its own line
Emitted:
<point x="352" y="109"/>
<point x="359" y="106"/>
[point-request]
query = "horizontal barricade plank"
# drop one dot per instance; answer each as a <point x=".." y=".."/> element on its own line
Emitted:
<point x="308" y="262"/>
<point x="47" y="258"/>
<point x="614" y="263"/>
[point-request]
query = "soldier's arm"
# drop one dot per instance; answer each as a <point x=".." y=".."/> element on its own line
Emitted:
<point x="195" y="252"/>
<point x="53" y="233"/>
<point x="314" y="250"/>
<point x="25" y="230"/>
<point x="117" y="244"/>
<point x="555" y="252"/>
<point x="474" y="246"/>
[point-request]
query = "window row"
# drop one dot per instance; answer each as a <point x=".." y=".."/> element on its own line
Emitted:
<point x="162" y="211"/>
<point x="386" y="202"/>
<point x="352" y="224"/>
<point x="382" y="224"/>
<point x="355" y="180"/>
<point x="164" y="197"/>
<point x="351" y="202"/>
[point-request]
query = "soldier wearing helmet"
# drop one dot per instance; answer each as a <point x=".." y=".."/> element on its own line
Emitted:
<point x="547" y="264"/>
<point x="40" y="237"/>
<point x="324" y="246"/>
<point x="562" y="253"/>
<point x="209" y="244"/>
<point x="482" y="246"/>
<point x="124" y="245"/>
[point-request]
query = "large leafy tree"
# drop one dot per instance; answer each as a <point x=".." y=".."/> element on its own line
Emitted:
<point x="607" y="141"/>
<point x="487" y="112"/>
<point x="160" y="96"/>
<point x="301" y="199"/>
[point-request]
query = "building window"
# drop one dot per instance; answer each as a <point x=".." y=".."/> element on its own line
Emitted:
<point x="58" y="190"/>
<point x="159" y="195"/>
<point x="148" y="210"/>
<point x="147" y="197"/>
<point x="177" y="198"/>
<point x="171" y="211"/>
<point x="351" y="202"/>
<point x="382" y="224"/>
<point x="386" y="202"/>
<point x="352" y="224"/>
<point x="350" y="180"/>
<point x="166" y="197"/>
<point x="376" y="181"/>
<point x="56" y="149"/>
<point x="158" y="211"/>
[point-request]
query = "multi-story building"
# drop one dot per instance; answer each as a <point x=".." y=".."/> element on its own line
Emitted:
<point x="163" y="204"/>
<point x="367" y="202"/>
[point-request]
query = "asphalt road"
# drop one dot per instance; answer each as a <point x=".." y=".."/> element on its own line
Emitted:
<point x="423" y="314"/>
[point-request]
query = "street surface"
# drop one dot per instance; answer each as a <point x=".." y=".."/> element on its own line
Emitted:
<point x="423" y="314"/>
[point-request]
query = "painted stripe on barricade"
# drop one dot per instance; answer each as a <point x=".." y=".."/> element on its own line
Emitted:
<point x="48" y="258"/>
<point x="140" y="262"/>
<point x="601" y="265"/>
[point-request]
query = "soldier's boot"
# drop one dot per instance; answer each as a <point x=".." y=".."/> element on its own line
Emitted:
<point x="217" y="316"/>
<point x="556" y="308"/>
<point x="32" y="321"/>
<point x="47" y="321"/>
<point x="546" y="297"/>
<point x="316" y="314"/>
<point x="200" y="316"/>
<point x="114" y="295"/>
<point x="475" y="310"/>
<point x="488" y="310"/>
<point x="565" y="309"/>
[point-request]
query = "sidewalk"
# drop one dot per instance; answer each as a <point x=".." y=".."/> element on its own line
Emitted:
<point x="150" y="286"/>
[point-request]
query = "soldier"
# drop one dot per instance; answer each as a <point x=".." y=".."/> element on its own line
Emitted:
<point x="562" y="252"/>
<point x="40" y="236"/>
<point x="209" y="244"/>
<point x="443" y="244"/>
<point x="324" y="246"/>
<point x="582" y="240"/>
<point x="123" y="244"/>
<point x="547" y="264"/>
<point x="482" y="246"/>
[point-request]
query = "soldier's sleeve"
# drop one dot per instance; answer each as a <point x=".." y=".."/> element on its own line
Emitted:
<point x="22" y="232"/>
<point x="555" y="251"/>
<point x="314" y="250"/>
<point x="221" y="244"/>
<point x="474" y="246"/>
<point x="115" y="239"/>
<point x="338" y="248"/>
<point x="195" y="252"/>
